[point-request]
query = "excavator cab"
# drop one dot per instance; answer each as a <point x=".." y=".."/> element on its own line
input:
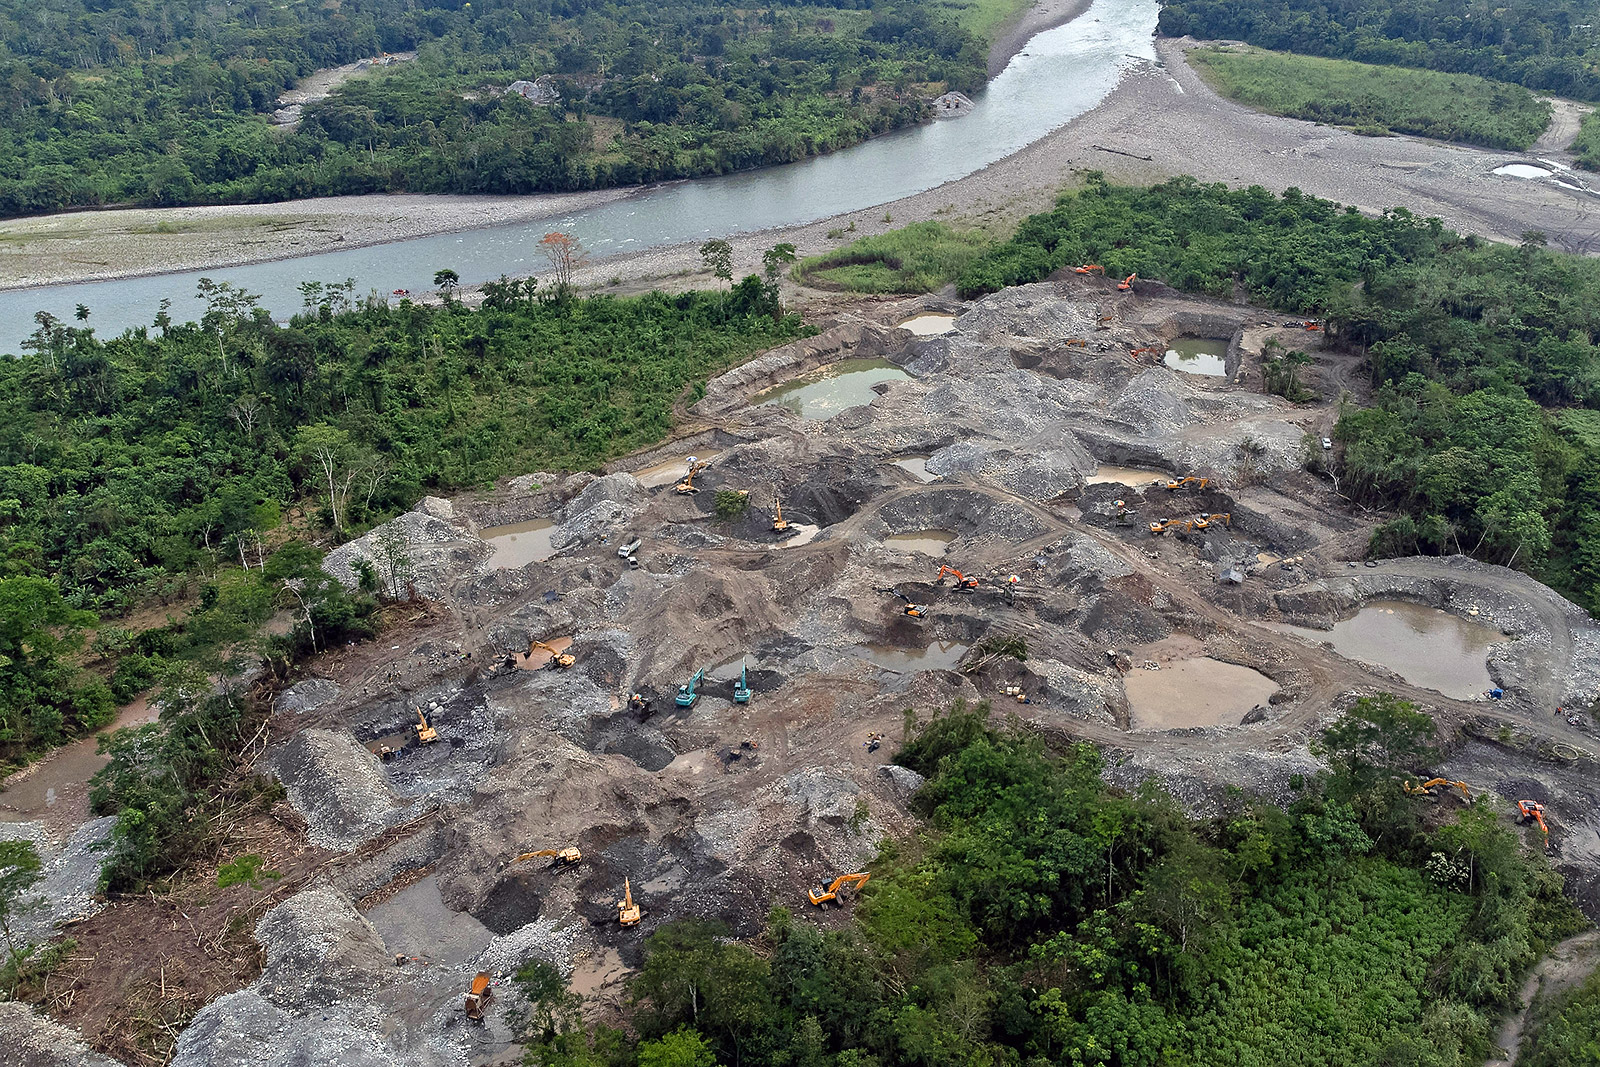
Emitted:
<point x="1126" y="284"/>
<point x="628" y="913"/>
<point x="479" y="994"/>
<point x="964" y="583"/>
<point x="687" y="485"/>
<point x="689" y="692"/>
<point x="824" y="894"/>
<point x="742" y="691"/>
<point x="425" y="734"/>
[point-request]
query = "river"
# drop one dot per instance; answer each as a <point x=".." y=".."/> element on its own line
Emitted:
<point x="1061" y="74"/>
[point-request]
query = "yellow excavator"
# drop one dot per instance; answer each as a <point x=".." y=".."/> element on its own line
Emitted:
<point x="565" y="856"/>
<point x="823" y="894"/>
<point x="558" y="660"/>
<point x="425" y="733"/>
<point x="1201" y="522"/>
<point x="1181" y="525"/>
<point x="1425" y="789"/>
<point x="779" y="523"/>
<point x="628" y="913"/>
<point x="1189" y="479"/>
<point x="687" y="485"/>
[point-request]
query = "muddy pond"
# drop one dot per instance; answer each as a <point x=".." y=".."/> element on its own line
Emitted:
<point x="1425" y="646"/>
<point x="1197" y="691"/>
<point x="1133" y="477"/>
<point x="939" y="656"/>
<point x="822" y="394"/>
<point x="928" y="542"/>
<point x="931" y="324"/>
<point x="917" y="465"/>
<point x="519" y="544"/>
<point x="1198" y="355"/>
<point x="671" y="472"/>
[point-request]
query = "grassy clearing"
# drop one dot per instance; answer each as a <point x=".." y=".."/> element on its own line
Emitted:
<point x="1376" y="100"/>
<point x="1587" y="145"/>
<point x="983" y="18"/>
<point x="918" y="258"/>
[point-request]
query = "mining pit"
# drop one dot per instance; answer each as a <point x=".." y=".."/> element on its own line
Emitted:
<point x="997" y="447"/>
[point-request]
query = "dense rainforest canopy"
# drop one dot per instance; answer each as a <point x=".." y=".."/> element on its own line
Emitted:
<point x="1484" y="431"/>
<point x="171" y="102"/>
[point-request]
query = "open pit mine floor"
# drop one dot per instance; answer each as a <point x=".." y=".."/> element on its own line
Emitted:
<point x="717" y="808"/>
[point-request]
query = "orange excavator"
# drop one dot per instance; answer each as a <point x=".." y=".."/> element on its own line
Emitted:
<point x="1189" y="479"/>
<point x="1419" y="789"/>
<point x="687" y="485"/>
<point x="1089" y="268"/>
<point x="558" y="660"/>
<point x="1533" y="811"/>
<point x="965" y="583"/>
<point x="1075" y="342"/>
<point x="823" y="894"/>
<point x="1151" y="350"/>
<point x="1127" y="283"/>
<point x="1201" y="522"/>
<point x="566" y="857"/>
<point x="478" y="996"/>
<point x="425" y="733"/>
<point x="1181" y="525"/>
<point x="628" y="913"/>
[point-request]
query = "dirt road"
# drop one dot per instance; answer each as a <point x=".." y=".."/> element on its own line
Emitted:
<point x="1567" y="964"/>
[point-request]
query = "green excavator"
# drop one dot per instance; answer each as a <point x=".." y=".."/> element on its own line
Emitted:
<point x="689" y="692"/>
<point x="742" y="691"/>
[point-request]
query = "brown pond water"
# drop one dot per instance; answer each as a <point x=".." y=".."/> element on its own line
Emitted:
<point x="931" y="324"/>
<point x="519" y="544"/>
<point x="917" y="465"/>
<point x="538" y="658"/>
<point x="1130" y="476"/>
<point x="928" y="542"/>
<point x="1425" y="646"/>
<point x="822" y="394"/>
<point x="939" y="656"/>
<point x="58" y="785"/>
<point x="1193" y="692"/>
<point x="671" y="472"/>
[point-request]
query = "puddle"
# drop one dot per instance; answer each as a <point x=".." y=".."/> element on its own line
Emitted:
<point x="60" y="782"/>
<point x="917" y="465"/>
<point x="804" y="534"/>
<point x="928" y="542"/>
<point x="939" y="656"/>
<point x="931" y="324"/>
<point x="670" y="472"/>
<point x="536" y="659"/>
<point x="600" y="976"/>
<point x="1198" y="355"/>
<point x="394" y="742"/>
<point x="1425" y="646"/>
<point x="1129" y="476"/>
<point x="822" y="394"/>
<point x="1193" y="692"/>
<point x="519" y="544"/>
<point x="1522" y="170"/>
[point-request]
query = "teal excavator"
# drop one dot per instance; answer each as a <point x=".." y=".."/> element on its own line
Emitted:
<point x="742" y="692"/>
<point x="689" y="692"/>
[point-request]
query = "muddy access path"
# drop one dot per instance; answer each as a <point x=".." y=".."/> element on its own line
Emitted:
<point x="1565" y="966"/>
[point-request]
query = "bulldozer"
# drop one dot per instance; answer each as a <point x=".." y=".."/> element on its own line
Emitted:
<point x="689" y="692"/>
<point x="779" y="523"/>
<point x="687" y="485"/>
<point x="1126" y="284"/>
<point x="564" y="857"/>
<point x="742" y="691"/>
<point x="821" y="895"/>
<point x="628" y="913"/>
<point x="1089" y="268"/>
<point x="965" y="583"/>
<point x="425" y="734"/>
<point x="1425" y="789"/>
<point x="479" y="994"/>
<point x="1188" y="479"/>
<point x="558" y="660"/>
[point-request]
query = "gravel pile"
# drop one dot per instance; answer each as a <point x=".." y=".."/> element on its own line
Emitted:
<point x="338" y="786"/>
<point x="436" y="548"/>
<point x="71" y="877"/>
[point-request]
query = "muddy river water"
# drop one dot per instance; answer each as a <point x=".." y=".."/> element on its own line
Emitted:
<point x="822" y="394"/>
<point x="1061" y="74"/>
<point x="1425" y="646"/>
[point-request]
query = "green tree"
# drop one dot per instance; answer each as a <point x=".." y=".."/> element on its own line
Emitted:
<point x="20" y="870"/>
<point x="681" y="1048"/>
<point x="717" y="255"/>
<point x="447" y="282"/>
<point x="43" y="699"/>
